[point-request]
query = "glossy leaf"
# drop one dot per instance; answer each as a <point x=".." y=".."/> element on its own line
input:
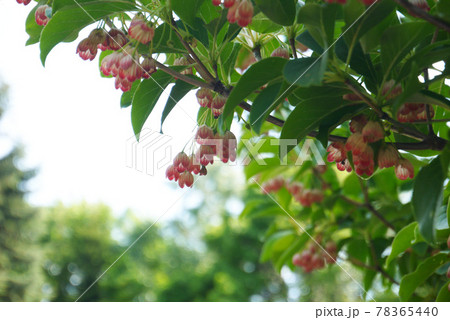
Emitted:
<point x="308" y="115"/>
<point x="179" y="90"/>
<point x="306" y="71"/>
<point x="410" y="282"/>
<point x="444" y="293"/>
<point x="164" y="41"/>
<point x="255" y="77"/>
<point x="403" y="240"/>
<point x="427" y="196"/>
<point x="276" y="244"/>
<point x="279" y="11"/>
<point x="360" y="19"/>
<point x="306" y="39"/>
<point x="33" y="29"/>
<point x="68" y="21"/>
<point x="127" y="97"/>
<point x="430" y="97"/>
<point x="187" y="10"/>
<point x="260" y="23"/>
<point x="295" y="247"/>
<point x="319" y="20"/>
<point x="263" y="105"/>
<point x="397" y="41"/>
<point x="358" y="61"/>
<point x="145" y="99"/>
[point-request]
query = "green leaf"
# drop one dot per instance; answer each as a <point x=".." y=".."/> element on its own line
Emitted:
<point x="359" y="61"/>
<point x="276" y="243"/>
<point x="145" y="98"/>
<point x="411" y="281"/>
<point x="306" y="71"/>
<point x="208" y="12"/>
<point x="404" y="239"/>
<point x="253" y="168"/>
<point x="425" y="57"/>
<point x="279" y="11"/>
<point x="261" y="24"/>
<point x="331" y="121"/>
<point x="255" y="77"/>
<point x="307" y="116"/>
<point x="306" y="39"/>
<point x="319" y="20"/>
<point x="68" y="21"/>
<point x="443" y="9"/>
<point x="179" y="90"/>
<point x="397" y="41"/>
<point x="448" y="212"/>
<point x="359" y="19"/>
<point x="427" y="196"/>
<point x="430" y="97"/>
<point x="444" y="293"/>
<point x="164" y="41"/>
<point x="263" y="105"/>
<point x="187" y="10"/>
<point x="127" y="97"/>
<point x="286" y="256"/>
<point x="358" y="249"/>
<point x="33" y="29"/>
<point x="228" y="58"/>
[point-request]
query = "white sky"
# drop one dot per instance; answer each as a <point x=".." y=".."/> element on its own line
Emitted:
<point x="69" y="120"/>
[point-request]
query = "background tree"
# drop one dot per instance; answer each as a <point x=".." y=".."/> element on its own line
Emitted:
<point x="19" y="252"/>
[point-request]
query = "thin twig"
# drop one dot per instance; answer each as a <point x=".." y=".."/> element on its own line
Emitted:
<point x="175" y="74"/>
<point x="358" y="263"/>
<point x="369" y="207"/>
<point x="201" y="68"/>
<point x="294" y="50"/>
<point x="378" y="267"/>
<point x="363" y="97"/>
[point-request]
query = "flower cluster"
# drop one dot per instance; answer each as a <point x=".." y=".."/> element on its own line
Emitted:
<point x="124" y="63"/>
<point x="410" y="112"/>
<point x="210" y="145"/>
<point x="239" y="11"/>
<point x="182" y="61"/>
<point x="214" y="101"/>
<point x="280" y="52"/>
<point x="140" y="30"/>
<point x="364" y="133"/>
<point x="391" y="90"/>
<point x="126" y="67"/>
<point x="42" y="14"/>
<point x="306" y="197"/>
<point x="312" y="259"/>
<point x="24" y="2"/>
<point x="273" y="185"/>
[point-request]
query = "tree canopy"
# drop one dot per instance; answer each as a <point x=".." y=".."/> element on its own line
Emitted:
<point x="367" y="80"/>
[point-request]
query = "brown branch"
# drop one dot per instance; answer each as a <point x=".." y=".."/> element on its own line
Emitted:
<point x="369" y="207"/>
<point x="257" y="52"/>
<point x="358" y="263"/>
<point x="378" y="267"/>
<point x="201" y="68"/>
<point x="396" y="126"/>
<point x="416" y="11"/>
<point x="363" y="97"/>
<point x="423" y="145"/>
<point x="183" y="77"/>
<point x="294" y="50"/>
